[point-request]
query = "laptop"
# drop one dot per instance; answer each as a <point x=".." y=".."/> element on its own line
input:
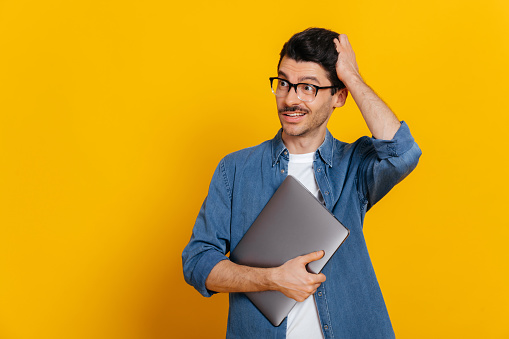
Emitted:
<point x="293" y="223"/>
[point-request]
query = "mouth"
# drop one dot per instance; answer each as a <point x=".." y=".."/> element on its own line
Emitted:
<point x="293" y="117"/>
<point x="294" y="114"/>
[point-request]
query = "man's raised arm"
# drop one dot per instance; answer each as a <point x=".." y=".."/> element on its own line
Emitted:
<point x="381" y="121"/>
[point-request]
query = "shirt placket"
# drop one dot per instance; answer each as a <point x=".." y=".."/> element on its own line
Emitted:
<point x="323" y="311"/>
<point x="323" y="182"/>
<point x="282" y="164"/>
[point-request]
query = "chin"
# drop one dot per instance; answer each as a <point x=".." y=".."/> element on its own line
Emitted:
<point x="293" y="132"/>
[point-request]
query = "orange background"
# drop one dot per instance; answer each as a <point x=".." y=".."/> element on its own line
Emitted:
<point x="114" y="114"/>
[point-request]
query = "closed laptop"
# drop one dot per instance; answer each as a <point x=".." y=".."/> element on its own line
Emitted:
<point x="293" y="223"/>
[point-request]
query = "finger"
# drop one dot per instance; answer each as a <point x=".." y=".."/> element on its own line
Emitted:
<point x="301" y="297"/>
<point x="320" y="254"/>
<point x="313" y="256"/>
<point x="340" y="38"/>
<point x="315" y="288"/>
<point x="347" y="42"/>
<point x="336" y="43"/>
<point x="318" y="279"/>
<point x="321" y="277"/>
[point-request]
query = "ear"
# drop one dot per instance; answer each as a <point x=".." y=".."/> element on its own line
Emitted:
<point x="339" y="98"/>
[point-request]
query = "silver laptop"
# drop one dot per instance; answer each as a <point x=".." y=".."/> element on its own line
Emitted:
<point x="293" y="223"/>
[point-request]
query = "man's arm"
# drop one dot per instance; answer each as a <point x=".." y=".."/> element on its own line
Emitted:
<point x="207" y="268"/>
<point x="291" y="278"/>
<point x="381" y="121"/>
<point x="395" y="152"/>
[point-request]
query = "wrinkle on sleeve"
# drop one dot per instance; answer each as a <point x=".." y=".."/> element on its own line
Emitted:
<point x="384" y="163"/>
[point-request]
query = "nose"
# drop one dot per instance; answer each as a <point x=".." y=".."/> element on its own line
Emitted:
<point x="292" y="98"/>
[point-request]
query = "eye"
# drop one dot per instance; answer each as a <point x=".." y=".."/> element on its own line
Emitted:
<point x="283" y="83"/>
<point x="308" y="89"/>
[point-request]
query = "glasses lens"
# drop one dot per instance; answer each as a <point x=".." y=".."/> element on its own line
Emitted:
<point x="306" y="92"/>
<point x="280" y="87"/>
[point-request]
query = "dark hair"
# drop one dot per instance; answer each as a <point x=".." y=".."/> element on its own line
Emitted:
<point x="314" y="45"/>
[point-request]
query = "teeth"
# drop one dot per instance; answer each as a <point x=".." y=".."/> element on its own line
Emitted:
<point x="295" y="114"/>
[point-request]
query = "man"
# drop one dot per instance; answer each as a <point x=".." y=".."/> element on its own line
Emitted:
<point x="317" y="69"/>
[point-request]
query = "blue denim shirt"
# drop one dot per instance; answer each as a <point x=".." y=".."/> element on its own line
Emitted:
<point x="352" y="178"/>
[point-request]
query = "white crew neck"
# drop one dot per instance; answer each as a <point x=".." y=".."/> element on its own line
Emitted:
<point x="302" y="158"/>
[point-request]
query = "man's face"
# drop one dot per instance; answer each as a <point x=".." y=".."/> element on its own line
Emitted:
<point x="299" y="118"/>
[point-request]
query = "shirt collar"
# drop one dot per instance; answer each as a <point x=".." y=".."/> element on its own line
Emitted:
<point x="325" y="150"/>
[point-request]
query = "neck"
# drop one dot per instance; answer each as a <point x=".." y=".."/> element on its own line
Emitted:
<point x="302" y="144"/>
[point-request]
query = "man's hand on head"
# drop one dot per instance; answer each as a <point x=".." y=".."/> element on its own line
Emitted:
<point x="293" y="279"/>
<point x="346" y="66"/>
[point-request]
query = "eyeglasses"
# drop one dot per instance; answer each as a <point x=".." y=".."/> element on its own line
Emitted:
<point x="305" y="92"/>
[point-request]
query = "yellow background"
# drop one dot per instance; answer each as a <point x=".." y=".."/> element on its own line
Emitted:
<point x="114" y="114"/>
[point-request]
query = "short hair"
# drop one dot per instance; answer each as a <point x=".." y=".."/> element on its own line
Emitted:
<point x="315" y="45"/>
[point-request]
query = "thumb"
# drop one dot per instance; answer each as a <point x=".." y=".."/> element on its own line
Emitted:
<point x="313" y="256"/>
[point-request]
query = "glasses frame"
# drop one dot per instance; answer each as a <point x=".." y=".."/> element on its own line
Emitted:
<point x="294" y="86"/>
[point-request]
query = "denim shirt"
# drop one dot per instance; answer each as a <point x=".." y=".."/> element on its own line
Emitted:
<point x="352" y="178"/>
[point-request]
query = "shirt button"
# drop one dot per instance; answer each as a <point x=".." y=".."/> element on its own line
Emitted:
<point x="319" y="294"/>
<point x="282" y="171"/>
<point x="325" y="327"/>
<point x="319" y="170"/>
<point x="286" y="153"/>
<point x="326" y="192"/>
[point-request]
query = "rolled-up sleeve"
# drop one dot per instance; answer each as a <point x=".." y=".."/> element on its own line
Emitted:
<point x="210" y="240"/>
<point x="384" y="163"/>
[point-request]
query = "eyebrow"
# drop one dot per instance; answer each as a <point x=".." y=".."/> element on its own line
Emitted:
<point x="307" y="77"/>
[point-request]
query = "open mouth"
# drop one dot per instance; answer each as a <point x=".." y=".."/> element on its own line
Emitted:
<point x="294" y="114"/>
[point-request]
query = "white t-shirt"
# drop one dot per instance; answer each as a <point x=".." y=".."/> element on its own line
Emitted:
<point x="303" y="320"/>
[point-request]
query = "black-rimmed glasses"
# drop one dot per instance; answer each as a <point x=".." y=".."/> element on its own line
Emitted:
<point x="305" y="92"/>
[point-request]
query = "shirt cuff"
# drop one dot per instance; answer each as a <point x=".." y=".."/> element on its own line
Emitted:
<point x="399" y="144"/>
<point x="202" y="270"/>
